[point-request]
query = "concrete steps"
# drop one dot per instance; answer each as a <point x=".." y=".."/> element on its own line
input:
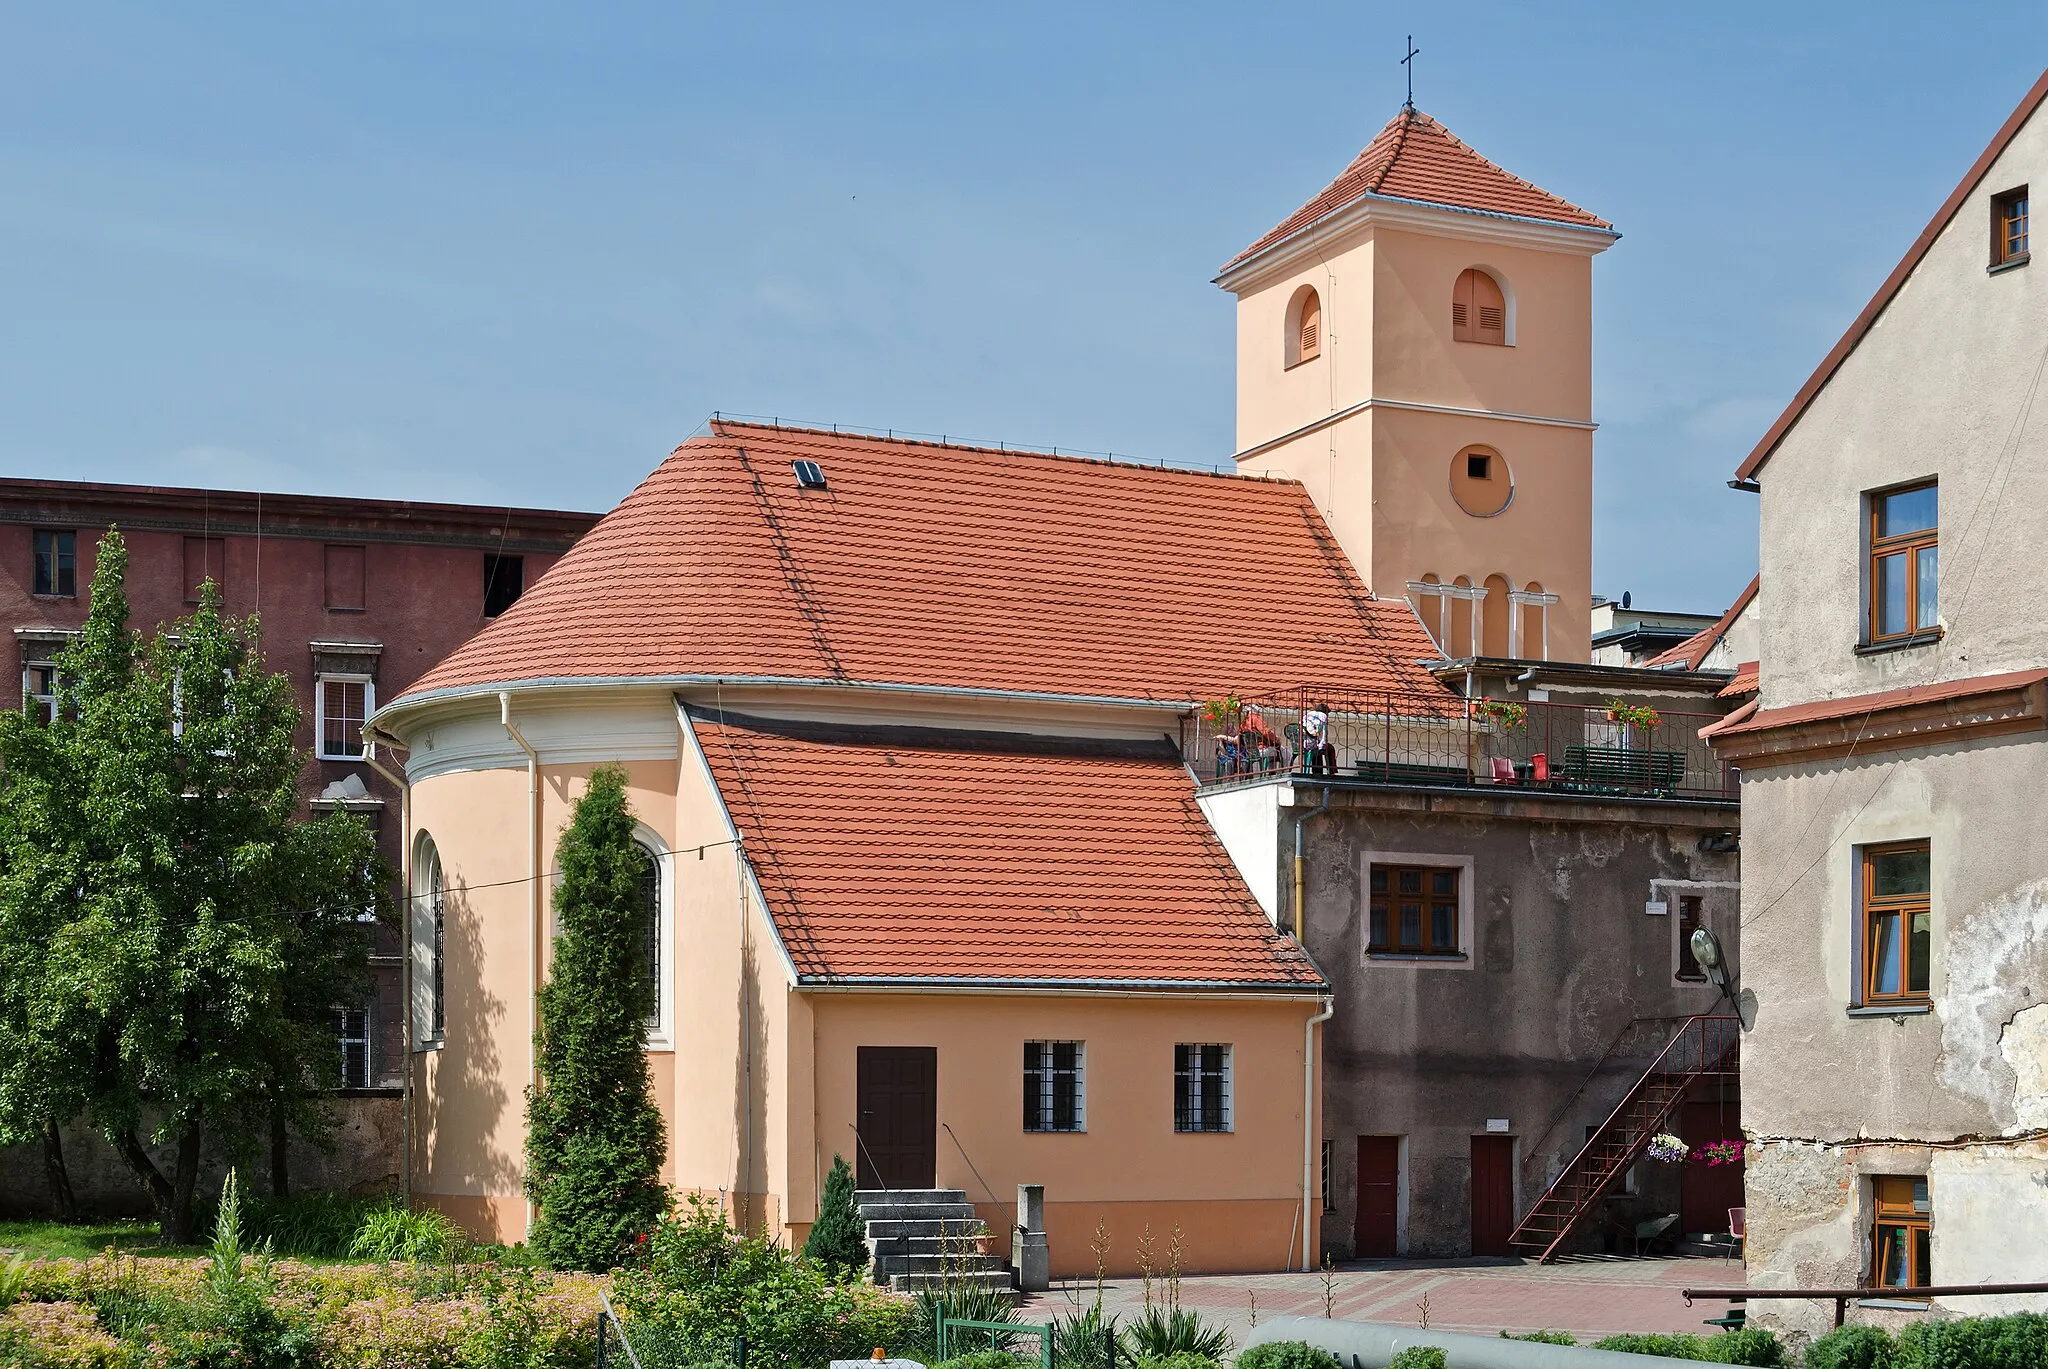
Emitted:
<point x="927" y="1238"/>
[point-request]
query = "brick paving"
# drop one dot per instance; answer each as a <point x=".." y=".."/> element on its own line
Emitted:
<point x="1589" y="1297"/>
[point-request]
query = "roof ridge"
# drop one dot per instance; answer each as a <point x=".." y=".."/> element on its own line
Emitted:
<point x="893" y="439"/>
<point x="1407" y="120"/>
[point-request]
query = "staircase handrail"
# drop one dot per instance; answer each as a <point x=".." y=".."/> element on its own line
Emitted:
<point x="970" y="1165"/>
<point x="1536" y="1147"/>
<point x="871" y="1159"/>
<point x="1697" y="1026"/>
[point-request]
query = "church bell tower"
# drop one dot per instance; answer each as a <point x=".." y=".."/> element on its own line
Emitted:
<point x="1415" y="345"/>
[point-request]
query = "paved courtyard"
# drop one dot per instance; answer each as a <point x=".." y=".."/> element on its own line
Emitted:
<point x="1589" y="1297"/>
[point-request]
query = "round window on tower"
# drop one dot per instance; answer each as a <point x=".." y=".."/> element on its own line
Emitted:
<point x="1481" y="481"/>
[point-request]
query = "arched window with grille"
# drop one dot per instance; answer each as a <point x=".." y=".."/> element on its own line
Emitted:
<point x="654" y="907"/>
<point x="1479" y="309"/>
<point x="430" y="944"/>
<point x="1304" y="340"/>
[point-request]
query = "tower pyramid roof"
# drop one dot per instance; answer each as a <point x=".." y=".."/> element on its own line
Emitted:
<point x="1416" y="158"/>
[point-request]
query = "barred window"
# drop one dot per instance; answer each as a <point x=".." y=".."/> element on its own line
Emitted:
<point x="1055" y="1094"/>
<point x="355" y="1048"/>
<point x="1201" y="1087"/>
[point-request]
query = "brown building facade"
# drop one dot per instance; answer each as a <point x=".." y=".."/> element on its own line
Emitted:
<point x="356" y="598"/>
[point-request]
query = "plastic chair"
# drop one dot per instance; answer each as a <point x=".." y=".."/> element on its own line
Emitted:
<point x="1539" y="767"/>
<point x="1738" y="1227"/>
<point x="1503" y="770"/>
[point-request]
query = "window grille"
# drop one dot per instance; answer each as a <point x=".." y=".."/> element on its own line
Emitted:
<point x="1201" y="1087"/>
<point x="1055" y="1095"/>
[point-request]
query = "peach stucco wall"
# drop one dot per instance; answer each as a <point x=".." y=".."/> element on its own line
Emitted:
<point x="759" y="1094"/>
<point x="1382" y="476"/>
<point x="1236" y="1196"/>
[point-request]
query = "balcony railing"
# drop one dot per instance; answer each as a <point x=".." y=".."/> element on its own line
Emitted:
<point x="1447" y="741"/>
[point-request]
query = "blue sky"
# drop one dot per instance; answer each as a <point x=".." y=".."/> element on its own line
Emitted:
<point x="514" y="253"/>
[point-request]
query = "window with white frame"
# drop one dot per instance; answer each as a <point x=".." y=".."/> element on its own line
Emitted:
<point x="355" y="1048"/>
<point x="429" y="944"/>
<point x="341" y="703"/>
<point x="647" y="894"/>
<point x="1201" y="1087"/>
<point x="39" y="692"/>
<point x="1055" y="1089"/>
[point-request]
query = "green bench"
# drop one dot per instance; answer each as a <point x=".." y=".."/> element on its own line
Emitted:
<point x="1614" y="767"/>
<point x="1402" y="772"/>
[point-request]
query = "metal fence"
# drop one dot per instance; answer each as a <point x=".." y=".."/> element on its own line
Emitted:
<point x="1444" y="740"/>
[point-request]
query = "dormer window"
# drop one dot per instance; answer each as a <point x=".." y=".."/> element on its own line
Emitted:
<point x="1304" y="326"/>
<point x="1479" y="309"/>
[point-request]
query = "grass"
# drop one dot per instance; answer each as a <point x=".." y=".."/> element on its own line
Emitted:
<point x="82" y="1240"/>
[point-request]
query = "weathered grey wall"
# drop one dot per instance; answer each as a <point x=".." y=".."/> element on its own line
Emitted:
<point x="1562" y="956"/>
<point x="368" y="1149"/>
<point x="1970" y="1073"/>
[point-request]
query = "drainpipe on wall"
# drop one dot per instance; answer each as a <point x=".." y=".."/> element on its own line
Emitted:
<point x="1300" y="823"/>
<point x="533" y="900"/>
<point x="404" y="787"/>
<point x="1308" y="1120"/>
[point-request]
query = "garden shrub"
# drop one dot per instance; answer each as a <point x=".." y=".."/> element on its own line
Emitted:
<point x="594" y="1138"/>
<point x="1851" y="1347"/>
<point x="1748" y="1346"/>
<point x="394" y="1232"/>
<point x="702" y="1285"/>
<point x="986" y="1359"/>
<point x="1162" y="1333"/>
<point x="1542" y="1337"/>
<point x="839" y="1236"/>
<point x="1087" y="1339"/>
<point x="320" y="1225"/>
<point x="2018" y="1341"/>
<point x="1287" y="1354"/>
<point x="1184" y="1360"/>
<point x="1420" y="1357"/>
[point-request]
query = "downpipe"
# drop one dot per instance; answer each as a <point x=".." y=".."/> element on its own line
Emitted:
<point x="532" y="899"/>
<point x="1308" y="1120"/>
<point x="401" y="782"/>
<point x="1299" y="861"/>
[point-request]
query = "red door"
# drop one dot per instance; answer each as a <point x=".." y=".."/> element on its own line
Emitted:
<point x="1493" y="1194"/>
<point x="1706" y="1192"/>
<point x="1379" y="1191"/>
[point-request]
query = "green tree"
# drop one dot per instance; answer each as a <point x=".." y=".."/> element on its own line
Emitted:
<point x="174" y="941"/>
<point x="594" y="1138"/>
<point x="838" y="1237"/>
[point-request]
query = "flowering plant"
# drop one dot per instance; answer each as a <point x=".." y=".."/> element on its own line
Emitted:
<point x="1512" y="716"/>
<point x="1631" y="715"/>
<point x="1666" y="1148"/>
<point x="1223" y="712"/>
<point x="1718" y="1152"/>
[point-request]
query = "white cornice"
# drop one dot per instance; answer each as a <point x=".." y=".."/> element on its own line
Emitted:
<point x="1326" y="235"/>
<point x="1456" y="411"/>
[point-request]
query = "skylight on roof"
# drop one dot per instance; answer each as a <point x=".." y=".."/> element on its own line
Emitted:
<point x="809" y="476"/>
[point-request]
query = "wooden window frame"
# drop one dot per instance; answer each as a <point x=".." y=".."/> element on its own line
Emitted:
<point x="1905" y="1205"/>
<point x="1297" y="349"/>
<point x="1909" y="545"/>
<point x="1042" y="1075"/>
<point x="2010" y="247"/>
<point x="1202" y="1095"/>
<point x="1691" y="908"/>
<point x="1383" y="937"/>
<point x="1902" y="907"/>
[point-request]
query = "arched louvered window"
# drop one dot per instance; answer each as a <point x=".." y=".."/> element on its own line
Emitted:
<point x="1304" y="341"/>
<point x="1479" y="311"/>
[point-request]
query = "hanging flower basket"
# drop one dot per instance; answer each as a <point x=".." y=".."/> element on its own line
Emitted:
<point x="1223" y="713"/>
<point x="1632" y="715"/>
<point x="1718" y="1152"/>
<point x="1511" y="716"/>
<point x="1666" y="1149"/>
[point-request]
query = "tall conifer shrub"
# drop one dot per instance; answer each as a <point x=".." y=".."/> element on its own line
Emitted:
<point x="838" y="1237"/>
<point x="594" y="1138"/>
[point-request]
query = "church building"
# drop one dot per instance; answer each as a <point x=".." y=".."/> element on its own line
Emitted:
<point x="921" y="738"/>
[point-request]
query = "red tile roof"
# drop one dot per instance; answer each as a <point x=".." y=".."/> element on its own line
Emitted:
<point x="1688" y="654"/>
<point x="951" y="567"/>
<point x="1895" y="282"/>
<point x="1748" y="679"/>
<point x="889" y="853"/>
<point x="1416" y="158"/>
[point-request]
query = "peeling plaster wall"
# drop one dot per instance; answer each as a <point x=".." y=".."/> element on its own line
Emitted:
<point x="1561" y="956"/>
<point x="1972" y="1073"/>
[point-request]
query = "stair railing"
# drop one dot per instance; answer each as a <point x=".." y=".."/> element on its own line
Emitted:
<point x="1702" y="1046"/>
<point x="1607" y="1056"/>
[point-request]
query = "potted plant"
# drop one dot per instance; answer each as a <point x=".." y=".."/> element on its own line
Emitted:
<point x="1718" y="1152"/>
<point x="1666" y="1149"/>
<point x="1223" y="714"/>
<point x="1635" y="717"/>
<point x="1506" y="713"/>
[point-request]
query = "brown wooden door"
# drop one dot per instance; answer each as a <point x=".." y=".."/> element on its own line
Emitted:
<point x="898" y="1097"/>
<point x="1377" y="1233"/>
<point x="1493" y="1194"/>
<point x="1706" y="1192"/>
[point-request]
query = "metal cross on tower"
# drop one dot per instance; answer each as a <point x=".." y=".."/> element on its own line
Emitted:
<point x="1409" y="63"/>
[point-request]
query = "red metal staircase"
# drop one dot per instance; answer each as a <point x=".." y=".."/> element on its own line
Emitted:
<point x="1703" y="1047"/>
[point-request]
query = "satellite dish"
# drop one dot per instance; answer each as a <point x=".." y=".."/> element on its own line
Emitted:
<point x="1626" y="599"/>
